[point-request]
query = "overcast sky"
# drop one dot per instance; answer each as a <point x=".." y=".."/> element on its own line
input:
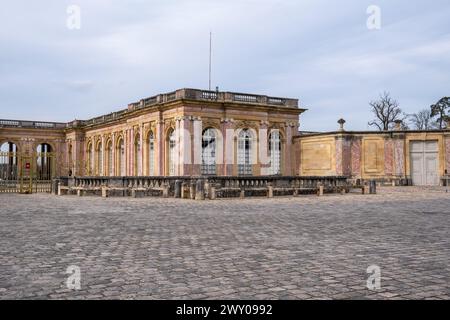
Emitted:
<point x="320" y="52"/>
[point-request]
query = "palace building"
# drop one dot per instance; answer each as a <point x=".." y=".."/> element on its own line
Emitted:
<point x="192" y="132"/>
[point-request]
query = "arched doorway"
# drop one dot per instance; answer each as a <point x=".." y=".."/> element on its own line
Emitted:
<point x="209" y="142"/>
<point x="137" y="155"/>
<point x="99" y="152"/>
<point x="8" y="161"/>
<point x="90" y="159"/>
<point x="151" y="153"/>
<point x="44" y="162"/>
<point x="244" y="154"/>
<point x="171" y="147"/>
<point x="275" y="152"/>
<point x="109" y="158"/>
<point x="120" y="158"/>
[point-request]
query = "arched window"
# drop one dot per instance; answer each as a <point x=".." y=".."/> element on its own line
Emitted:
<point x="151" y="154"/>
<point x="109" y="158"/>
<point x="171" y="147"/>
<point x="120" y="158"/>
<point x="90" y="159"/>
<point x="8" y="161"/>
<point x="275" y="152"/>
<point x="100" y="158"/>
<point x="44" y="162"/>
<point x="137" y="156"/>
<point x="209" y="152"/>
<point x="245" y="152"/>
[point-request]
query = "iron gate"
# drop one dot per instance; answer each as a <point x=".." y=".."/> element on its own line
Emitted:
<point x="26" y="173"/>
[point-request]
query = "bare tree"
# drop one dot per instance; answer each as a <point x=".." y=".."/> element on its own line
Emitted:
<point x="439" y="110"/>
<point x="386" y="111"/>
<point x="422" y="120"/>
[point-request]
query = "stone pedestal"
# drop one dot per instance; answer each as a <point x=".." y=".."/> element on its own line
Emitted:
<point x="178" y="188"/>
<point x="200" y="190"/>
<point x="320" y="192"/>
<point x="165" y="190"/>
<point x="192" y="190"/>
<point x="373" y="187"/>
<point x="270" y="192"/>
<point x="104" y="192"/>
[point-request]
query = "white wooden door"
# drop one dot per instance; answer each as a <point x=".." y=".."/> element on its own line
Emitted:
<point x="424" y="163"/>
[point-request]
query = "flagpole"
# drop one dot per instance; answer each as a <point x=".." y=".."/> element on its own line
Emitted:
<point x="210" y="53"/>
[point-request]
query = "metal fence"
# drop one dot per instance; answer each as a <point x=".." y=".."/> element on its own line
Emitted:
<point x="26" y="173"/>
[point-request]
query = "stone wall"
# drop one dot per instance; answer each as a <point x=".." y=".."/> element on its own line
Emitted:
<point x="383" y="156"/>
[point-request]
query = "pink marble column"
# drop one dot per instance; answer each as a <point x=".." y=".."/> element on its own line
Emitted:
<point x="141" y="151"/>
<point x="103" y="153"/>
<point x="399" y="158"/>
<point x="389" y="157"/>
<point x="356" y="158"/>
<point x="287" y="157"/>
<point x="132" y="146"/>
<point x="126" y="143"/>
<point x="263" y="153"/>
<point x="347" y="157"/>
<point x="447" y="154"/>
<point x="196" y="141"/>
<point x="113" y="164"/>
<point x="177" y="159"/>
<point x="159" y="152"/>
<point x="228" y="146"/>
<point x="185" y="147"/>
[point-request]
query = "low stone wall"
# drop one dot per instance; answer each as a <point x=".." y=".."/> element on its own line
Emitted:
<point x="200" y="187"/>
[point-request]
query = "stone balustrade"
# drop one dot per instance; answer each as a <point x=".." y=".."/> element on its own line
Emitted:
<point x="201" y="187"/>
<point x="4" y="123"/>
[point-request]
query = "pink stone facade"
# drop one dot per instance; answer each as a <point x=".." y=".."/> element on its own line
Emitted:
<point x="118" y="144"/>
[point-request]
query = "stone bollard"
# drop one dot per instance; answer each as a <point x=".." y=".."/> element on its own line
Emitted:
<point x="366" y="189"/>
<point x="213" y="195"/>
<point x="166" y="190"/>
<point x="200" y="190"/>
<point x="79" y="192"/>
<point x="54" y="186"/>
<point x="242" y="195"/>
<point x="270" y="191"/>
<point x="59" y="189"/>
<point x="320" y="192"/>
<point x="104" y="192"/>
<point x="373" y="187"/>
<point x="183" y="190"/>
<point x="178" y="188"/>
<point x="207" y="189"/>
<point x="295" y="192"/>
<point x="192" y="190"/>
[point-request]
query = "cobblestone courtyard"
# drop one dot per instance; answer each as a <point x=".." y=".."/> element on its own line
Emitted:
<point x="282" y="248"/>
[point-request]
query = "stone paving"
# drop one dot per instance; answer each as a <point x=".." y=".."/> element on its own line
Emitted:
<point x="281" y="248"/>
